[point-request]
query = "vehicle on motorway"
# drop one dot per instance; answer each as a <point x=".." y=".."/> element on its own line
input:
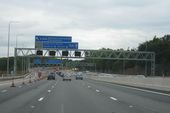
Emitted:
<point x="51" y="76"/>
<point x="79" y="76"/>
<point x="67" y="77"/>
<point x="61" y="74"/>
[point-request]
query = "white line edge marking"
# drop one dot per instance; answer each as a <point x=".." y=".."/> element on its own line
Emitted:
<point x="3" y="91"/>
<point x="49" y="91"/>
<point x="113" y="98"/>
<point x="145" y="90"/>
<point x="97" y="90"/>
<point x="40" y="99"/>
<point x="140" y="89"/>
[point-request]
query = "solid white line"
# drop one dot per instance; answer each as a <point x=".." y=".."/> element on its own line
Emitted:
<point x="40" y="99"/>
<point x="113" y="98"/>
<point x="3" y="91"/>
<point x="97" y="90"/>
<point x="144" y="90"/>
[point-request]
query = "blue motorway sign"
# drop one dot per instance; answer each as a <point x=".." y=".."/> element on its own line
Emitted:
<point x="72" y="45"/>
<point x="54" y="39"/>
<point x="53" y="61"/>
<point x="37" y="61"/>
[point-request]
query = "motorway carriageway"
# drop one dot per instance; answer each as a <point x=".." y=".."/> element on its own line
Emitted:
<point x="80" y="96"/>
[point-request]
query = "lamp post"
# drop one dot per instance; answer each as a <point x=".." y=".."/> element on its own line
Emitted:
<point x="16" y="44"/>
<point x="15" y="54"/>
<point x="9" y="30"/>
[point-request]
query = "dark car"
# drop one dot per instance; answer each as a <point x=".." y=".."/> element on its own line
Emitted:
<point x="60" y="74"/>
<point x="79" y="76"/>
<point x="51" y="76"/>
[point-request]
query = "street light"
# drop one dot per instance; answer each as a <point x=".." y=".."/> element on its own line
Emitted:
<point x="16" y="44"/>
<point x="9" y="28"/>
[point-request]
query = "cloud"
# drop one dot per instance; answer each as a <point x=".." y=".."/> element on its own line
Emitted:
<point x="92" y="23"/>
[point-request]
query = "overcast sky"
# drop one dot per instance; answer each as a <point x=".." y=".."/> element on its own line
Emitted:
<point x="93" y="23"/>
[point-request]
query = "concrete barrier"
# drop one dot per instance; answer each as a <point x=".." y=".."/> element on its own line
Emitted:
<point x="2" y="78"/>
<point x="159" y="83"/>
<point x="9" y="78"/>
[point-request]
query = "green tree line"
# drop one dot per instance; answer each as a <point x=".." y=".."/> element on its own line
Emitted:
<point x="21" y="64"/>
<point x="159" y="45"/>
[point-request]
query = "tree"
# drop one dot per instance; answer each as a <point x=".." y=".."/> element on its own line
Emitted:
<point x="161" y="47"/>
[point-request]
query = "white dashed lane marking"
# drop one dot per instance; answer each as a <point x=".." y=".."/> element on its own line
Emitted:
<point x="113" y="98"/>
<point x="20" y="86"/>
<point x="32" y="107"/>
<point x="49" y="91"/>
<point x="97" y="90"/>
<point x="89" y="86"/>
<point x="130" y="106"/>
<point x="3" y="91"/>
<point x="40" y="99"/>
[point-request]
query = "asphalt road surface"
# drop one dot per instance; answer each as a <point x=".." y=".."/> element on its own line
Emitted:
<point x="80" y="96"/>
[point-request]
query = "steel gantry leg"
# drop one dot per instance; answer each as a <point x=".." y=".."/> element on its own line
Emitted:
<point x="15" y="61"/>
<point x="153" y="65"/>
